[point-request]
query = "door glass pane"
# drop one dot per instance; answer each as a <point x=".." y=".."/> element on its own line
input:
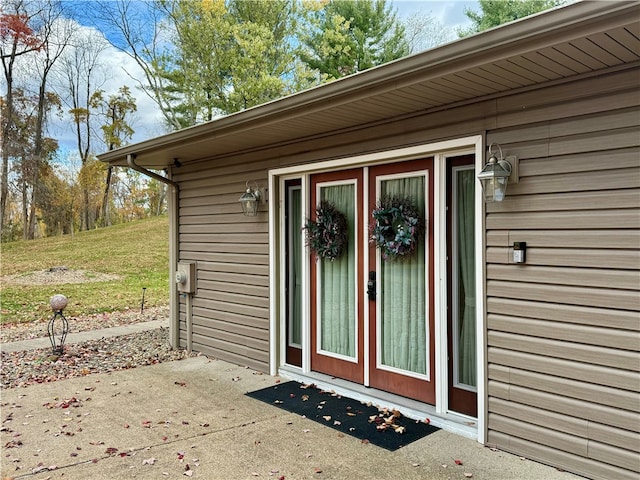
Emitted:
<point x="294" y="283"/>
<point x="464" y="301"/>
<point x="338" y="281"/>
<point x="402" y="303"/>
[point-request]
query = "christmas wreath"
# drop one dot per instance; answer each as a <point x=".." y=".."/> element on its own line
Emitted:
<point x="397" y="227"/>
<point x="327" y="235"/>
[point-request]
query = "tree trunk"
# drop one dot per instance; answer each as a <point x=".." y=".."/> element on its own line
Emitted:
<point x="105" y="216"/>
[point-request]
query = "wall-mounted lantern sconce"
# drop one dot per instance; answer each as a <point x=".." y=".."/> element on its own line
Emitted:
<point x="495" y="174"/>
<point x="250" y="199"/>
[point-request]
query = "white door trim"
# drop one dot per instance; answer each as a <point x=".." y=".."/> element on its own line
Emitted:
<point x="440" y="150"/>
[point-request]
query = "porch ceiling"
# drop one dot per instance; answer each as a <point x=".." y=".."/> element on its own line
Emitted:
<point x="576" y="40"/>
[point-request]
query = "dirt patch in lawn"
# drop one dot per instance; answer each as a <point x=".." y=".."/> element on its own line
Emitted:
<point x="58" y="275"/>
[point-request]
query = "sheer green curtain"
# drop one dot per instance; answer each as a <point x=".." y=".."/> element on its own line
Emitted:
<point x="466" y="282"/>
<point x="337" y="281"/>
<point x="403" y="334"/>
<point x="295" y="266"/>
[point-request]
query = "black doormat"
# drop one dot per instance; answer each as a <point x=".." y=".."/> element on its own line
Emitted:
<point x="383" y="427"/>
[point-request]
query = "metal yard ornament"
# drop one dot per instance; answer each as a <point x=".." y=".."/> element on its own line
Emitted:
<point x="58" y="325"/>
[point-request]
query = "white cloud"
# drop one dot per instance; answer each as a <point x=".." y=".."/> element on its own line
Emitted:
<point x="114" y="69"/>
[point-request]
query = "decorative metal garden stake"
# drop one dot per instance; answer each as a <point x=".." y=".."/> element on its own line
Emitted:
<point x="144" y="289"/>
<point x="58" y="303"/>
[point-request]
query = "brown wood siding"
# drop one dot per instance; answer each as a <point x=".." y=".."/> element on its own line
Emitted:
<point x="563" y="330"/>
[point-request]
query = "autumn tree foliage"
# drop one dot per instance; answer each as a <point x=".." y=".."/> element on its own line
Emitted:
<point x="117" y="131"/>
<point x="199" y="60"/>
<point x="29" y="29"/>
<point x="17" y="38"/>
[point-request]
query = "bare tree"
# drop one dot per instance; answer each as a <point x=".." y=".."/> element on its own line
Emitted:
<point x="55" y="32"/>
<point x="83" y="75"/>
<point x="141" y="30"/>
<point x="424" y="32"/>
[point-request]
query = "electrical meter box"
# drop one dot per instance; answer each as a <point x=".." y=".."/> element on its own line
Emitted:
<point x="186" y="277"/>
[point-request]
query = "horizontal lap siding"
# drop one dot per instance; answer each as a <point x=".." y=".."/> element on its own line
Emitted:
<point x="230" y="309"/>
<point x="563" y="330"/>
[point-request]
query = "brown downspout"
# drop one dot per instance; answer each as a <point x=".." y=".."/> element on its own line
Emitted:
<point x="174" y="315"/>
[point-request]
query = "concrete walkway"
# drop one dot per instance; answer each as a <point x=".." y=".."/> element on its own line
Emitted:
<point x="192" y="418"/>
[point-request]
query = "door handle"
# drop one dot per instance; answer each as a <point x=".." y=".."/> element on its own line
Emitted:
<point x="371" y="285"/>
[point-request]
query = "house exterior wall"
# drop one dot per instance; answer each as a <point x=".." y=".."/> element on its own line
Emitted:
<point x="563" y="329"/>
<point x="563" y="334"/>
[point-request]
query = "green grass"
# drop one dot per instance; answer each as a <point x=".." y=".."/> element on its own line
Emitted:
<point x="137" y="251"/>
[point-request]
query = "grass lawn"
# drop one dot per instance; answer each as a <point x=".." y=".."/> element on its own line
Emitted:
<point x="138" y="252"/>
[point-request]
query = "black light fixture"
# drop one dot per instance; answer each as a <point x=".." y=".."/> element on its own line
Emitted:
<point x="494" y="176"/>
<point x="249" y="201"/>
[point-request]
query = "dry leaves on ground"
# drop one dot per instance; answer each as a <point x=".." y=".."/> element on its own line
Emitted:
<point x="96" y="356"/>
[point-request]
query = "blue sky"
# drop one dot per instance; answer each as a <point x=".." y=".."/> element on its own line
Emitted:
<point x="449" y="13"/>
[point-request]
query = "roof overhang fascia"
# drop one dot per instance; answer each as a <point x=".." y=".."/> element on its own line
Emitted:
<point x="539" y="31"/>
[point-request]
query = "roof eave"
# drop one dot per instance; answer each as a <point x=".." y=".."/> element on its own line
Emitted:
<point x="552" y="26"/>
